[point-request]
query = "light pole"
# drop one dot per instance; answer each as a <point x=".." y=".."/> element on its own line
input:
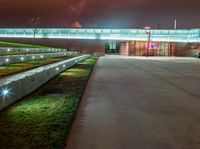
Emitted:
<point x="149" y="38"/>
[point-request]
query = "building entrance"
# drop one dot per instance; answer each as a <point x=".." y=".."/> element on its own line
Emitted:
<point x="112" y="47"/>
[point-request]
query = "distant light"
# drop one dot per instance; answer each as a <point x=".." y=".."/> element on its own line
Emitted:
<point x="8" y="50"/>
<point x="22" y="58"/>
<point x="33" y="57"/>
<point x="64" y="66"/>
<point x="41" y="56"/>
<point x="57" y="68"/>
<point x="147" y="27"/>
<point x="27" y="50"/>
<point x="7" y="60"/>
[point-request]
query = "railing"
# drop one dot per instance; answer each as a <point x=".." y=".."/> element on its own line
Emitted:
<point x="171" y="35"/>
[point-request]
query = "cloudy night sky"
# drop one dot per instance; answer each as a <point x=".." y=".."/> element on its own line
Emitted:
<point x="101" y="13"/>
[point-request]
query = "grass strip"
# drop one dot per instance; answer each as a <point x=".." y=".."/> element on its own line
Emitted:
<point x="19" y="45"/>
<point x="22" y="53"/>
<point x="44" y="118"/>
<point x="20" y="67"/>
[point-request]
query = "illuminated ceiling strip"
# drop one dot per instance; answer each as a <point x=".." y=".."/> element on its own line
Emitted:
<point x="185" y="35"/>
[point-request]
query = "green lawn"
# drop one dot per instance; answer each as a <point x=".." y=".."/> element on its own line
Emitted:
<point x="20" y="67"/>
<point x="17" y="45"/>
<point x="19" y="53"/>
<point x="43" y="119"/>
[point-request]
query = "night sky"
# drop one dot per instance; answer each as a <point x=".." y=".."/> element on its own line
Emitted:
<point x="101" y="13"/>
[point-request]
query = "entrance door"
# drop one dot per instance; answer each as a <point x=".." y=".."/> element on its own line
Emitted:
<point x="112" y="47"/>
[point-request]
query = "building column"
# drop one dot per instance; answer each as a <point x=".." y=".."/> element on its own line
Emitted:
<point x="172" y="50"/>
<point x="124" y="48"/>
<point x="131" y="48"/>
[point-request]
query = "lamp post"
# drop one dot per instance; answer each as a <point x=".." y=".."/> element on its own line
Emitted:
<point x="149" y="38"/>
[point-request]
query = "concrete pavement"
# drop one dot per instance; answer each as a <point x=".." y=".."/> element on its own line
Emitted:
<point x="139" y="103"/>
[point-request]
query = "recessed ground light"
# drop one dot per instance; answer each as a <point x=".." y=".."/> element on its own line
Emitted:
<point x="5" y="92"/>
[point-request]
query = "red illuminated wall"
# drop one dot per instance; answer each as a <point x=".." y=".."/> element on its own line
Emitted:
<point x="124" y="48"/>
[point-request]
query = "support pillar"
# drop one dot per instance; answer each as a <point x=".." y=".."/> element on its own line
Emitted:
<point x="172" y="50"/>
<point x="124" y="48"/>
<point x="131" y="48"/>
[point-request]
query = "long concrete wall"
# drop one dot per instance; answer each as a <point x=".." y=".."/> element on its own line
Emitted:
<point x="14" y="49"/>
<point x="15" y="87"/>
<point x="5" y="60"/>
<point x="94" y="47"/>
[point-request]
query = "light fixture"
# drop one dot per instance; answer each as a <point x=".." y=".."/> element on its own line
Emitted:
<point x="33" y="57"/>
<point x="41" y="56"/>
<point x="22" y="58"/>
<point x="7" y="59"/>
<point x="5" y="92"/>
<point x="57" y="68"/>
<point x="8" y="50"/>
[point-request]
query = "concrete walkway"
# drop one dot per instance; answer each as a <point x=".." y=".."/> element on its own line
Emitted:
<point x="135" y="103"/>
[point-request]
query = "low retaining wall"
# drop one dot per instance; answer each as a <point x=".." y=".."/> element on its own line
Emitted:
<point x="5" y="60"/>
<point x="13" y="49"/>
<point x="15" y="87"/>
